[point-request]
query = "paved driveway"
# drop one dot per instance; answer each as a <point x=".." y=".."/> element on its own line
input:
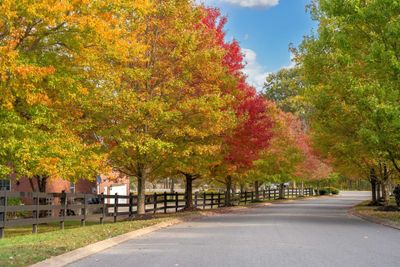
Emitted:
<point x="316" y="232"/>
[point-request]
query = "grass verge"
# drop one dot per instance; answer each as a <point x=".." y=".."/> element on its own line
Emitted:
<point x="23" y="250"/>
<point x="373" y="213"/>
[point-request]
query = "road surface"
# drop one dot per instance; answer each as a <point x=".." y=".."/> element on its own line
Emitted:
<point x="313" y="232"/>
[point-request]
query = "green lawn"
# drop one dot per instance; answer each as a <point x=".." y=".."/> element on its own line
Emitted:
<point x="392" y="217"/>
<point x="20" y="249"/>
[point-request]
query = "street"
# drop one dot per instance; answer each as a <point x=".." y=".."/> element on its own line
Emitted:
<point x="310" y="232"/>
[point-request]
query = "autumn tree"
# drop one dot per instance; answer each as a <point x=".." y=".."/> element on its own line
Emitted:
<point x="167" y="110"/>
<point x="253" y="132"/>
<point x="52" y="55"/>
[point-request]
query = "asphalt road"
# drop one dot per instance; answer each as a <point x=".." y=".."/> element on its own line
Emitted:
<point x="316" y="232"/>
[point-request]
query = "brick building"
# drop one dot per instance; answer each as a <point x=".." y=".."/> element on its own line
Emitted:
<point x="107" y="184"/>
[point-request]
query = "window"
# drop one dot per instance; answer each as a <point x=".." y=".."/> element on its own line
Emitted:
<point x="5" y="184"/>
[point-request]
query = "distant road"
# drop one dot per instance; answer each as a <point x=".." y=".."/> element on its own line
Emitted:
<point x="314" y="232"/>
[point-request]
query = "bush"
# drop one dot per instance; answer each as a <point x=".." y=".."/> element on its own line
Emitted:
<point x="396" y="193"/>
<point x="328" y="191"/>
<point x="323" y="191"/>
<point x="334" y="191"/>
<point x="16" y="201"/>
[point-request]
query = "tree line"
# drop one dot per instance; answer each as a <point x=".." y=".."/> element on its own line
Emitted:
<point x="149" y="88"/>
<point x="346" y="86"/>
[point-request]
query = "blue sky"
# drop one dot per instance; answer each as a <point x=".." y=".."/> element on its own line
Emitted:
<point x="265" y="28"/>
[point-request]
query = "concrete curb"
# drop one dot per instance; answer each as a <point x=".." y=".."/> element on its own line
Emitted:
<point x="374" y="219"/>
<point x="80" y="253"/>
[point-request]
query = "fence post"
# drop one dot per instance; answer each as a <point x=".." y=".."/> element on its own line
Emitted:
<point x="130" y="204"/>
<point x="165" y="202"/>
<point x="245" y="197"/>
<point x="63" y="200"/>
<point x="204" y="200"/>
<point x="35" y="213"/>
<point x="103" y="209"/>
<point x="252" y="196"/>
<point x="212" y="200"/>
<point x="84" y="210"/>
<point x="3" y="213"/>
<point x="196" y="197"/>
<point x="275" y="193"/>
<point x="264" y="194"/>
<point x="219" y="199"/>
<point x="115" y="207"/>
<point x="155" y="203"/>
<point x="176" y="201"/>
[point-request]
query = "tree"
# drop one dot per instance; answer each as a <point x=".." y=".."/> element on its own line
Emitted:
<point x="52" y="55"/>
<point x="285" y="88"/>
<point x="278" y="162"/>
<point x="167" y="110"/>
<point x="351" y="74"/>
<point x="252" y="133"/>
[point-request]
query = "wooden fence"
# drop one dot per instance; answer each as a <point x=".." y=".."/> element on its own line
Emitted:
<point x="39" y="208"/>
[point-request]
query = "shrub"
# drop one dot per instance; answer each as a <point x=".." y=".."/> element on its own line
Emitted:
<point x="16" y="201"/>
<point x="333" y="190"/>
<point x="323" y="191"/>
<point x="396" y="193"/>
<point x="328" y="190"/>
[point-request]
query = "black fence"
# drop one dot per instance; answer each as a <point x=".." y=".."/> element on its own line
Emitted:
<point x="35" y="208"/>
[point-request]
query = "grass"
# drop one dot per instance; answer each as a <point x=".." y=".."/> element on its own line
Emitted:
<point x="20" y="249"/>
<point x="391" y="217"/>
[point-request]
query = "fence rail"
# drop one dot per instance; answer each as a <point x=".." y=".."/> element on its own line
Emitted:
<point x="39" y="208"/>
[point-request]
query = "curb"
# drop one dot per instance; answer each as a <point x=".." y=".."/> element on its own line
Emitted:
<point x="80" y="253"/>
<point x="374" y="219"/>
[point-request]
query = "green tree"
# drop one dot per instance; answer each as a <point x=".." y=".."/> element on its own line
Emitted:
<point x="351" y="72"/>
<point x="285" y="88"/>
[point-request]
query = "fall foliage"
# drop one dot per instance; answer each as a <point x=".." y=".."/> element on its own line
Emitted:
<point x="147" y="88"/>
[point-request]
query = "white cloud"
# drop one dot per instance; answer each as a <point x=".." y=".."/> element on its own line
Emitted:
<point x="246" y="3"/>
<point x="255" y="72"/>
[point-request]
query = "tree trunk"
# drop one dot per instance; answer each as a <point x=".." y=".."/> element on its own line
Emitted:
<point x="385" y="182"/>
<point x="257" y="191"/>
<point x="228" y="182"/>
<point x="189" y="191"/>
<point x="282" y="191"/>
<point x="41" y="182"/>
<point x="141" y="189"/>
<point x="172" y="185"/>
<point x="378" y="191"/>
<point x="302" y="189"/>
<point x="373" y="182"/>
